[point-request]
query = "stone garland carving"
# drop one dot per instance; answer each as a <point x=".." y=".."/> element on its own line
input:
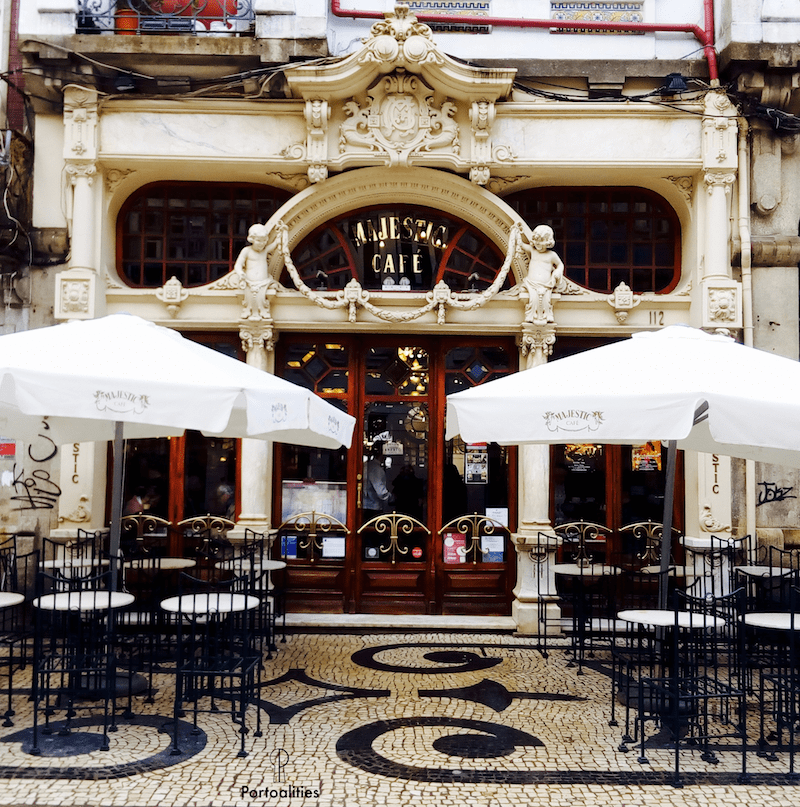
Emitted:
<point x="353" y="295"/>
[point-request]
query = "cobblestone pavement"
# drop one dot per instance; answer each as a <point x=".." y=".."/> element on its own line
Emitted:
<point x="445" y="719"/>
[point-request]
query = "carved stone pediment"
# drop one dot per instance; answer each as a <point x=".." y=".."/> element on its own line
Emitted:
<point x="399" y="101"/>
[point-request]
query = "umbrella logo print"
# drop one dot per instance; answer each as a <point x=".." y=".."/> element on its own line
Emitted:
<point x="120" y="402"/>
<point x="573" y="420"/>
<point x="279" y="412"/>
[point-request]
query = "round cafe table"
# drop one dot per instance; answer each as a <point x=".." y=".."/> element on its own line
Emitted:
<point x="210" y="603"/>
<point x="667" y="618"/>
<point x="161" y="564"/>
<point x="83" y="601"/>
<point x="10" y="598"/>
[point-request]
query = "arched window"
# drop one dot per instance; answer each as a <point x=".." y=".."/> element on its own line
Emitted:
<point x="607" y="236"/>
<point x="397" y="248"/>
<point x="191" y="230"/>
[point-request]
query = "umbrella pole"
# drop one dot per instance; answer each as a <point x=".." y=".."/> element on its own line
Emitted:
<point x="116" y="503"/>
<point x="666" y="536"/>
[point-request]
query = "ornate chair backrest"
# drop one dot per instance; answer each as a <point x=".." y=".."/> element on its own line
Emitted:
<point x="143" y="535"/>
<point x="207" y="536"/>
<point x="641" y="542"/>
<point x="581" y="541"/>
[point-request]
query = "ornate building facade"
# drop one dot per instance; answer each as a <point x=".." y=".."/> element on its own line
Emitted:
<point x="402" y="179"/>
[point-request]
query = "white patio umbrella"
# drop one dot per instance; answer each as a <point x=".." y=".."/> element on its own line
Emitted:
<point x="123" y="377"/>
<point x="679" y="385"/>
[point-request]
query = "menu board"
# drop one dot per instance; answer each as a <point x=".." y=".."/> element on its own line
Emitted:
<point x="329" y="498"/>
<point x="646" y="457"/>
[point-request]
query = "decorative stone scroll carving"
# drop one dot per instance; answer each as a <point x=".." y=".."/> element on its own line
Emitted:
<point x="317" y="116"/>
<point x="720" y="133"/>
<point x="685" y="186"/>
<point x="115" y="176"/>
<point x="80" y="124"/>
<point x="440" y="298"/>
<point x="623" y="300"/>
<point x="172" y="294"/>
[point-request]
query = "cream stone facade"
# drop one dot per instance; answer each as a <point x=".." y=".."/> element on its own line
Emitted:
<point x="397" y="122"/>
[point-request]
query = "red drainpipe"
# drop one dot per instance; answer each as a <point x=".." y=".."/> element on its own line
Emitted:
<point x="705" y="35"/>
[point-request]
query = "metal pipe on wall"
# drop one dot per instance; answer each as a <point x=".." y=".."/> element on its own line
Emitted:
<point x="705" y="35"/>
<point x="747" y="308"/>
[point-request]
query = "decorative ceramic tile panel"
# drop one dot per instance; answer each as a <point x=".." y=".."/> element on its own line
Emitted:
<point x="596" y="12"/>
<point x="454" y="8"/>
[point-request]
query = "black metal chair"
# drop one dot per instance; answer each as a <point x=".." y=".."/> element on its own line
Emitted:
<point x="777" y="661"/>
<point x="218" y="654"/>
<point x="74" y="648"/>
<point x="635" y="651"/>
<point x="700" y="697"/>
<point x="17" y="586"/>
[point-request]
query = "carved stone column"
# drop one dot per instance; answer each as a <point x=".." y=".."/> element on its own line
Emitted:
<point x="721" y="303"/>
<point x="258" y="341"/>
<point x="78" y="291"/>
<point x="535" y="609"/>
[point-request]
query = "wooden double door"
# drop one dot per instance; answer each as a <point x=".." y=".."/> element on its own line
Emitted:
<point x="400" y="485"/>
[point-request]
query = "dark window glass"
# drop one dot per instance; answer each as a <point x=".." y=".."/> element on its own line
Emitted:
<point x="164" y="225"/>
<point x="608" y="235"/>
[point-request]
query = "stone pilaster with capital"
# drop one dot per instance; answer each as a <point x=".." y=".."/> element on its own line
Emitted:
<point x="258" y="341"/>
<point x="535" y="607"/>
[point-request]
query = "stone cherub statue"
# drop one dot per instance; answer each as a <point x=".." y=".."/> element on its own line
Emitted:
<point x="545" y="273"/>
<point x="253" y="270"/>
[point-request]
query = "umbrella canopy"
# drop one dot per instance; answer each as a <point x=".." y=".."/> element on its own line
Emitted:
<point x="705" y="392"/>
<point x="124" y="377"/>
<point x="87" y="376"/>
<point x="679" y="385"/>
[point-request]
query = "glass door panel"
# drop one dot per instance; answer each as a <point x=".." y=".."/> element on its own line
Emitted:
<point x="395" y="479"/>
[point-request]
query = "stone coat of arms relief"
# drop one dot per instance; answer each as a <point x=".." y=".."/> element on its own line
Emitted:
<point x="399" y="120"/>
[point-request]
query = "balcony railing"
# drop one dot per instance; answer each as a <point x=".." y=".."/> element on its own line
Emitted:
<point x="190" y="17"/>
